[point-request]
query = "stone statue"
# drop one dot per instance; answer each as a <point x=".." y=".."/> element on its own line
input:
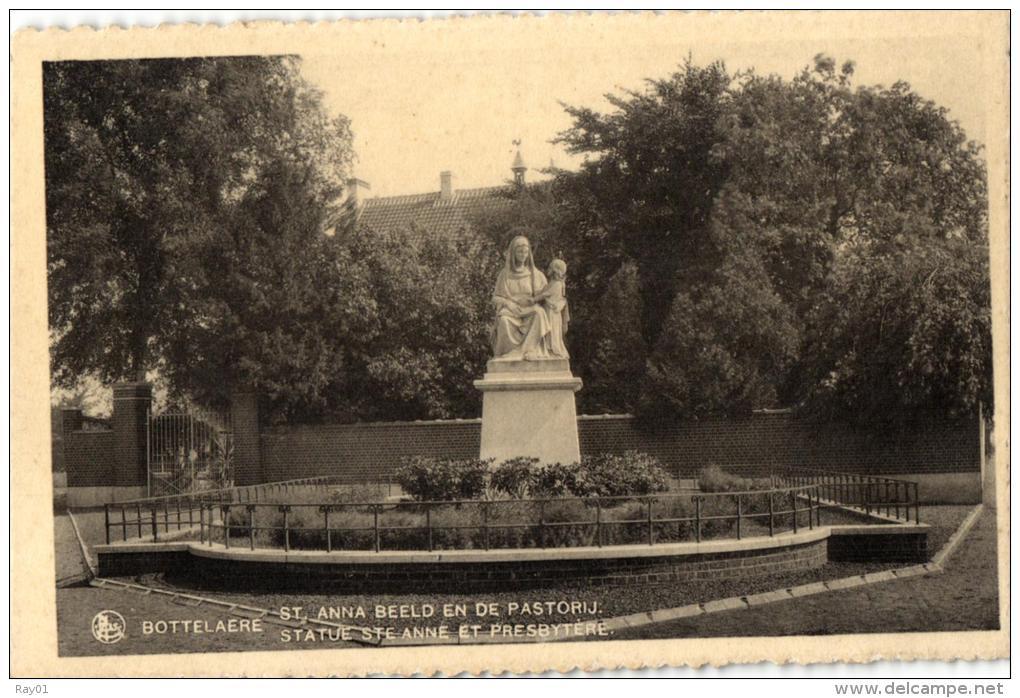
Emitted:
<point x="528" y="406"/>
<point x="531" y="310"/>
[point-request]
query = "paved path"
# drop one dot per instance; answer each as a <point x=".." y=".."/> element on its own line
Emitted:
<point x="964" y="597"/>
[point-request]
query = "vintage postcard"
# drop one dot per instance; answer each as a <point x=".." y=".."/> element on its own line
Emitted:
<point x="509" y="343"/>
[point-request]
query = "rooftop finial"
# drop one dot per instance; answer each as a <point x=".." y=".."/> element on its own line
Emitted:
<point x="518" y="167"/>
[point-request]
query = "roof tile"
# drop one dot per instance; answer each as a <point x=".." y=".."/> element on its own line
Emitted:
<point x="429" y="212"/>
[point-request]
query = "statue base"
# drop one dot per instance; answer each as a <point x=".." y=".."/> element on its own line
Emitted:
<point x="528" y="410"/>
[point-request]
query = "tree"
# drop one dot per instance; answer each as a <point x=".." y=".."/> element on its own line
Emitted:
<point x="650" y="178"/>
<point x="729" y="339"/>
<point x="748" y="204"/>
<point x="276" y="304"/>
<point x="840" y="181"/>
<point x="152" y="165"/>
<point x="613" y="365"/>
<point x="425" y="337"/>
<point x="907" y="333"/>
<point x="822" y="164"/>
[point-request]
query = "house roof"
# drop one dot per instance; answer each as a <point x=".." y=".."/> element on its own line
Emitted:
<point x="430" y="211"/>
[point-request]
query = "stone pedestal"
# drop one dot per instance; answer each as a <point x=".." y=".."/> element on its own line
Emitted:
<point x="528" y="410"/>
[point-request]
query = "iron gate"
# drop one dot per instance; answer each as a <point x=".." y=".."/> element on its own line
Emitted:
<point x="188" y="451"/>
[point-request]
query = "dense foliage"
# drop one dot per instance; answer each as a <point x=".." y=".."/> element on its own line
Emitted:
<point x="734" y="241"/>
<point x="440" y="479"/>
<point x="423" y="334"/>
<point x="712" y="478"/>
<point x="744" y="241"/>
<point x="184" y="207"/>
<point x="602" y="475"/>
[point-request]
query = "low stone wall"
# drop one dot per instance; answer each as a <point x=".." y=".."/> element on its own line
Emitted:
<point x="399" y="572"/>
<point x="509" y="575"/>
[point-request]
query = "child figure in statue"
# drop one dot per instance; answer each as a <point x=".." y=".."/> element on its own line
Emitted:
<point x="553" y="298"/>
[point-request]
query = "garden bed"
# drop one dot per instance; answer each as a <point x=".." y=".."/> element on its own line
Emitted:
<point x="608" y="601"/>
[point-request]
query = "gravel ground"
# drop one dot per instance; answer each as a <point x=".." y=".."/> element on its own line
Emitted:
<point x="76" y="606"/>
<point x="601" y="602"/>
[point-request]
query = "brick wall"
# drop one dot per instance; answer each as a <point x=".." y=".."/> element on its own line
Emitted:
<point x="779" y="439"/>
<point x="871" y="547"/>
<point x="464" y="576"/>
<point x="765" y="440"/>
<point x="88" y="458"/>
<point x="361" y="452"/>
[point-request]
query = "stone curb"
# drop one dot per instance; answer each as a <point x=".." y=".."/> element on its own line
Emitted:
<point x="954" y="540"/>
<point x="84" y="549"/>
<point x="730" y="604"/>
<point x="768" y="597"/>
<point x="845" y="583"/>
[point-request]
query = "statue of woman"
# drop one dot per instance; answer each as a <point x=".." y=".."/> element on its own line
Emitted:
<point x="523" y="328"/>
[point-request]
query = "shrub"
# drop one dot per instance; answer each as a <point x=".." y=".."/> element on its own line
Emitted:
<point x="598" y="476"/>
<point x="514" y="477"/>
<point x="565" y="512"/>
<point x="434" y="479"/>
<point x="362" y="492"/>
<point x="611" y="475"/>
<point x="715" y="479"/>
<point x="554" y="480"/>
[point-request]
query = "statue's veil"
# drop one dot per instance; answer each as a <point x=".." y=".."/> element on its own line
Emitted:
<point x="508" y="261"/>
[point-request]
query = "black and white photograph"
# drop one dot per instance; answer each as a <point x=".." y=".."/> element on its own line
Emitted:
<point x="533" y="334"/>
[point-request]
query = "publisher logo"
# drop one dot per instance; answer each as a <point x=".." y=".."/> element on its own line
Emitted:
<point x="108" y="627"/>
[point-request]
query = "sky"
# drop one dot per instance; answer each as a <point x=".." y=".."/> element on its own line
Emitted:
<point x="453" y="101"/>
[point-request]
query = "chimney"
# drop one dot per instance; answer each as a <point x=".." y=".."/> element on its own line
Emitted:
<point x="445" y="185"/>
<point x="356" y="190"/>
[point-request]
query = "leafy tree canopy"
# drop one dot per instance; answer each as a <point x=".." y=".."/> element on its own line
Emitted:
<point x="735" y="241"/>
<point x="184" y="204"/>
<point x="748" y="206"/>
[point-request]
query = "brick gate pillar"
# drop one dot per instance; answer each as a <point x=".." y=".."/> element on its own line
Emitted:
<point x="244" y="423"/>
<point x="131" y="402"/>
<point x="71" y="419"/>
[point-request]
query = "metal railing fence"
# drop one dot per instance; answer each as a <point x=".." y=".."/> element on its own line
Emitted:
<point x="273" y="515"/>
